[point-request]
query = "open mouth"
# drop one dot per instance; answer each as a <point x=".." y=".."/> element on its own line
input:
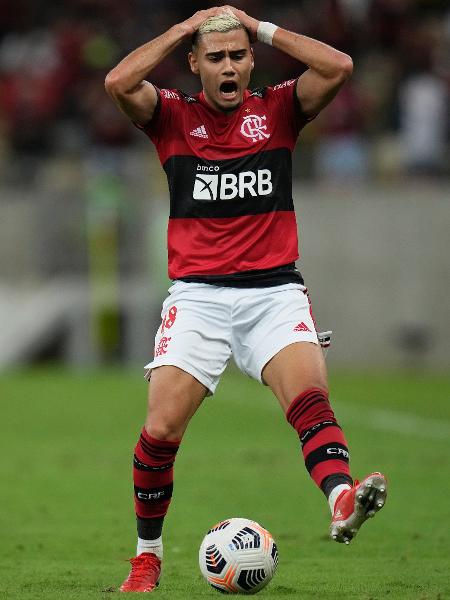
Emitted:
<point x="228" y="90"/>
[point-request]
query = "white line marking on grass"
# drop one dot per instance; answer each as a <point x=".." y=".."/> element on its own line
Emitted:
<point x="396" y="422"/>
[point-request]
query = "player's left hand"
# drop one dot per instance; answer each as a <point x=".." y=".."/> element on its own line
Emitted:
<point x="249" y="22"/>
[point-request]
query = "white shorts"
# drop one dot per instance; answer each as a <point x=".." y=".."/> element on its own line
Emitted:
<point x="204" y="325"/>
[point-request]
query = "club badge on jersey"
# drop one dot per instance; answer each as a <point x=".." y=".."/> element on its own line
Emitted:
<point x="255" y="127"/>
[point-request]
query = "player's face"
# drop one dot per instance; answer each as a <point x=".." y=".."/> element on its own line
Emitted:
<point x="224" y="62"/>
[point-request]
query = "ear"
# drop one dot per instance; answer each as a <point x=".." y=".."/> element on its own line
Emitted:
<point x="192" y="58"/>
<point x="253" y="57"/>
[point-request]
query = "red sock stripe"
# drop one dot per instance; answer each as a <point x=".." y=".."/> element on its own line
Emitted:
<point x="323" y="443"/>
<point x="308" y="409"/>
<point x="147" y="480"/>
<point x="157" y="451"/>
<point x="321" y="438"/>
<point x="153" y="475"/>
<point x="323" y="470"/>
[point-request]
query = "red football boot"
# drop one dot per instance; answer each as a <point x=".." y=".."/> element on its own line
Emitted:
<point x="356" y="505"/>
<point x="144" y="574"/>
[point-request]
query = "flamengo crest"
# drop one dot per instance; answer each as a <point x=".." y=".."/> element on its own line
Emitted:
<point x="253" y="127"/>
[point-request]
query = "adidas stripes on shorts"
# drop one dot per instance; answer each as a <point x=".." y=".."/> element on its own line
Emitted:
<point x="204" y="325"/>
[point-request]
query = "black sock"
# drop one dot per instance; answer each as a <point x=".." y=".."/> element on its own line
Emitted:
<point x="149" y="529"/>
<point x="330" y="482"/>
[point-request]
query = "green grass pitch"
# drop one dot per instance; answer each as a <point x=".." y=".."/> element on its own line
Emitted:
<point x="66" y="514"/>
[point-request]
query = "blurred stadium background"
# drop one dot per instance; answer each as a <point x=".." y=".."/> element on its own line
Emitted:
<point x="83" y="200"/>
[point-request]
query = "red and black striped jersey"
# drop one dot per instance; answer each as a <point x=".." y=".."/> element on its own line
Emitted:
<point x="230" y="180"/>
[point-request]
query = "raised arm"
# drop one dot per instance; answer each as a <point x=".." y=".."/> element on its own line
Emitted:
<point x="126" y="83"/>
<point x="328" y="68"/>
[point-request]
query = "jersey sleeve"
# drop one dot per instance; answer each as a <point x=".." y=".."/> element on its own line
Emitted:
<point x="284" y="98"/>
<point x="165" y="116"/>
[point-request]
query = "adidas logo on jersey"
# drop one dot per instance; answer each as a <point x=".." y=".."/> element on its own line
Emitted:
<point x="200" y="132"/>
<point x="302" y="327"/>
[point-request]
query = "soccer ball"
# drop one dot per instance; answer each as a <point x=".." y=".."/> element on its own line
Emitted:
<point x="238" y="556"/>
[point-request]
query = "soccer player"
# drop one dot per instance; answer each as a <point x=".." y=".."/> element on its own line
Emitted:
<point x="232" y="246"/>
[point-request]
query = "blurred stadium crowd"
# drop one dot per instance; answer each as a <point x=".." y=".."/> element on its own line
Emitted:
<point x="390" y="120"/>
<point x="83" y="200"/>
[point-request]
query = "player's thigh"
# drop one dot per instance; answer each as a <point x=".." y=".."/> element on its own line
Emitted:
<point x="194" y="334"/>
<point x="173" y="398"/>
<point x="276" y="322"/>
<point x="294" y="369"/>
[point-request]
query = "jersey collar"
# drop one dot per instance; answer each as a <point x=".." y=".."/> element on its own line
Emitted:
<point x="218" y="113"/>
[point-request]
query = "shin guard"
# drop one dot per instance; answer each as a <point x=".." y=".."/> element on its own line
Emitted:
<point x="153" y="475"/>
<point x="323" y="443"/>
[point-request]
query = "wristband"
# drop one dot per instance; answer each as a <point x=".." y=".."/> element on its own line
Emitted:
<point x="265" y="32"/>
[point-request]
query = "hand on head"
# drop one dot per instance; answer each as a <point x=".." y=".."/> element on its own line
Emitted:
<point x="249" y="22"/>
<point x="193" y="23"/>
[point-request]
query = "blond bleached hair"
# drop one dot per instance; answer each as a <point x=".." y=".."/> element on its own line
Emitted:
<point x="221" y="23"/>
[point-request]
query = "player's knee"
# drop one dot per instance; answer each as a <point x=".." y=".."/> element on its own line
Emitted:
<point x="318" y="384"/>
<point x="164" y="429"/>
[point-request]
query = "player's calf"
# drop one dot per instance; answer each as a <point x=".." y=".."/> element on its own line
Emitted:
<point x="153" y="485"/>
<point x="153" y="475"/>
<point x="322" y="440"/>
